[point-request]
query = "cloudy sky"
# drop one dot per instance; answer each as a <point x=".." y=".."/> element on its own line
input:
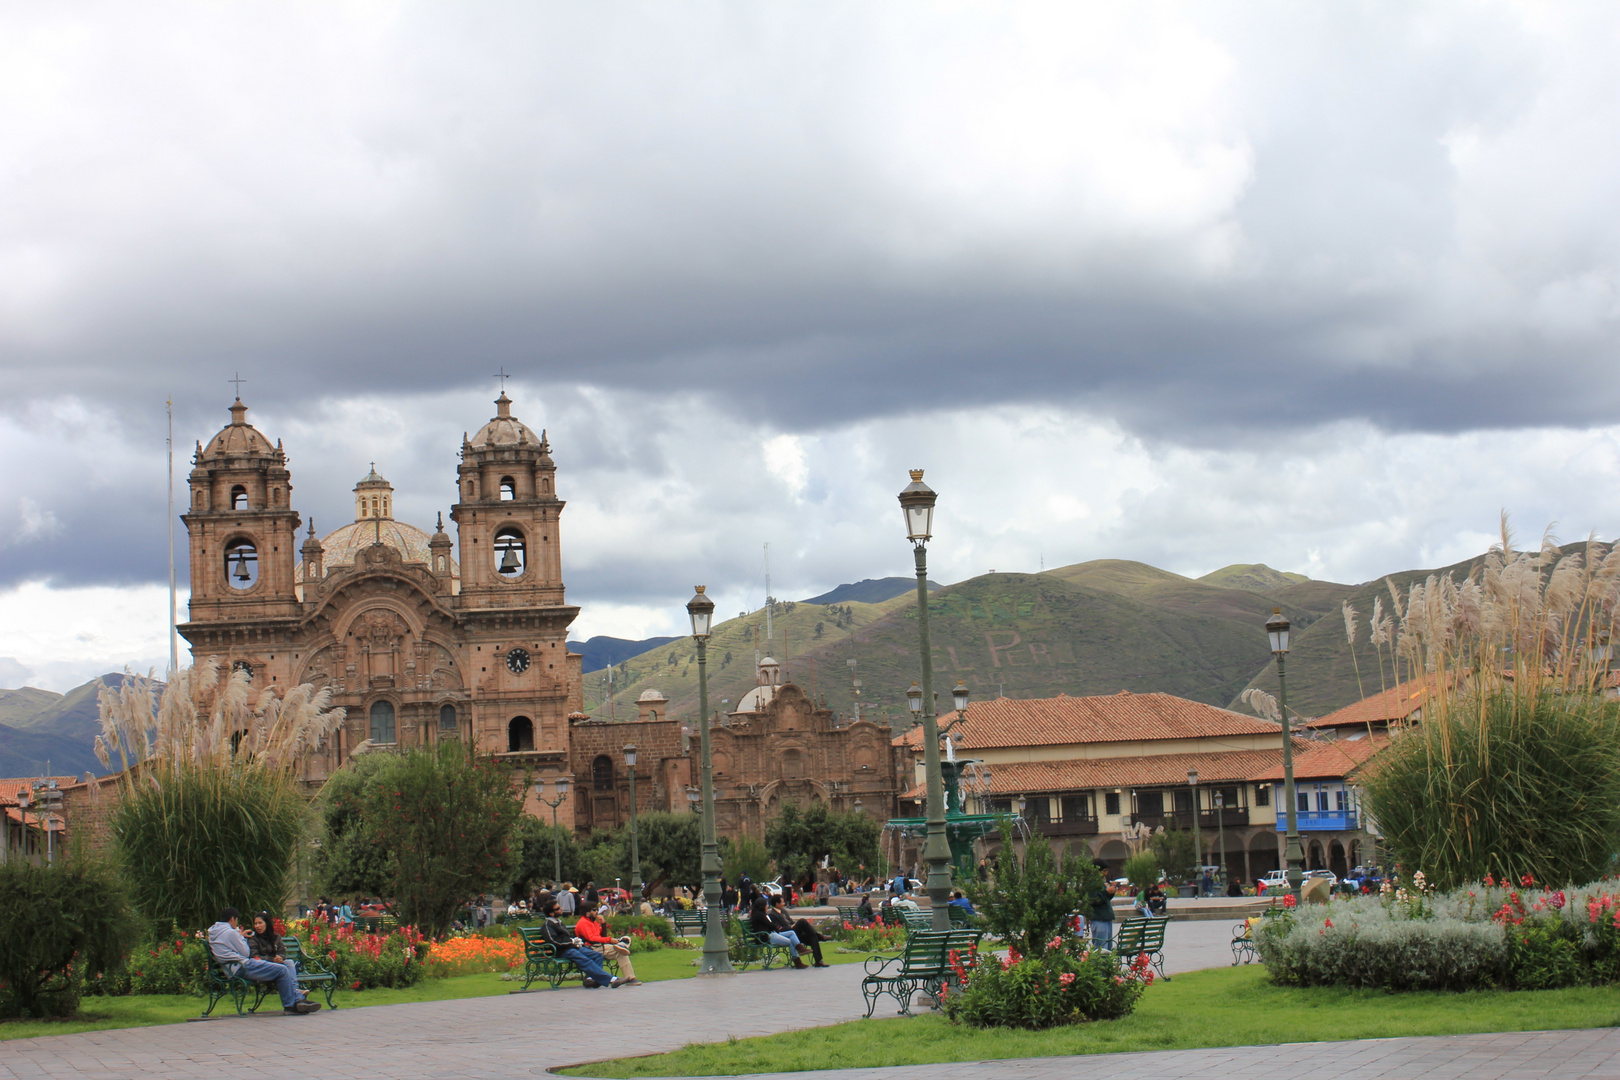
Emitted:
<point x="1323" y="286"/>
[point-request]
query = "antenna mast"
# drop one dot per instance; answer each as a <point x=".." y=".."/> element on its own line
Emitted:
<point x="174" y="636"/>
<point x="770" y="601"/>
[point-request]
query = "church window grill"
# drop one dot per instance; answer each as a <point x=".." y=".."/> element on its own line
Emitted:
<point x="510" y="552"/>
<point x="519" y="734"/>
<point x="602" y="773"/>
<point x="447" y="719"/>
<point x="239" y="499"/>
<point x="241" y="564"/>
<point x="382" y="721"/>
<point x="508" y="489"/>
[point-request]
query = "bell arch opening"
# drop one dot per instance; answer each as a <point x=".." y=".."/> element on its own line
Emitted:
<point x="239" y="498"/>
<point x="508" y="489"/>
<point x="519" y="734"/>
<point x="510" y="552"/>
<point x="241" y="564"/>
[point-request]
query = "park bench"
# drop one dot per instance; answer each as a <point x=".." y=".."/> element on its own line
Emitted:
<point x="1138" y="936"/>
<point x="752" y="946"/>
<point x="1243" y="942"/>
<point x="221" y="984"/>
<point x="540" y="961"/>
<point x="924" y="966"/>
<point x="689" y="921"/>
<point x="924" y="920"/>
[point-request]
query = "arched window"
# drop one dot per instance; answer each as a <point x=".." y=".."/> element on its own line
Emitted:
<point x="438" y="564"/>
<point x="602" y="773"/>
<point x="510" y="553"/>
<point x="545" y="487"/>
<point x="382" y="721"/>
<point x="519" y="734"/>
<point x="508" y="489"/>
<point x="239" y="498"/>
<point x="241" y="564"/>
<point x="652" y="714"/>
<point x="447" y="719"/>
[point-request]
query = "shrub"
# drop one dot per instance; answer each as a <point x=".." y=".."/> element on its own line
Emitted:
<point x="655" y="926"/>
<point x="366" y="961"/>
<point x="1142" y="869"/>
<point x="57" y="923"/>
<point x="171" y="964"/>
<point x="863" y="938"/>
<point x="1066" y="983"/>
<point x="1028" y="901"/>
<point x="1370" y="950"/>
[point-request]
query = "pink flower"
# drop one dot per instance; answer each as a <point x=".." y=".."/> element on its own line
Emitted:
<point x="1066" y="978"/>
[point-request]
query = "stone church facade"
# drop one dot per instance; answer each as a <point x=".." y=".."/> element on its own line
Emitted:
<point x="420" y="637"/>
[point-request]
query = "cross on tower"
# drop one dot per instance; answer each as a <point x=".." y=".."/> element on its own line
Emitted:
<point x="239" y="381"/>
<point x="503" y="376"/>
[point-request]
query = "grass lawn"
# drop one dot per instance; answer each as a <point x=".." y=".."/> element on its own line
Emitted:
<point x="144" y="1010"/>
<point x="1219" y="1007"/>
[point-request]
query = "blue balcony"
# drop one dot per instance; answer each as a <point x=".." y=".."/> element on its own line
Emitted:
<point x="1320" y="820"/>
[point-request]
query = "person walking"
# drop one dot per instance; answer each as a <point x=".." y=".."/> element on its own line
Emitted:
<point x="1101" y="913"/>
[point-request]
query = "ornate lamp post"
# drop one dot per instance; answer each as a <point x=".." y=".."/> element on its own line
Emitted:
<point x="561" y="784"/>
<point x="1220" y="831"/>
<point x="716" y="959"/>
<point x="635" y="845"/>
<point x="1293" y="851"/>
<point x="1198" y="837"/>
<point x="917" y="502"/>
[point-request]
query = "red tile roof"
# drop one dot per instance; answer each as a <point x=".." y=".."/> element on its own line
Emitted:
<point x="1396" y="703"/>
<point x="9" y="786"/>
<point x="1064" y="720"/>
<point x="1330" y="760"/>
<point x="1084" y="774"/>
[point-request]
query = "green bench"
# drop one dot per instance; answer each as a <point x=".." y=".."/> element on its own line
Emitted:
<point x="220" y="984"/>
<point x="688" y="921"/>
<point x="1137" y="936"/>
<point x="1243" y="943"/>
<point x="924" y="966"/>
<point x="750" y="946"/>
<point x="540" y="961"/>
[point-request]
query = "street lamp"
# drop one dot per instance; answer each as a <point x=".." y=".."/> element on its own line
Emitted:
<point x="917" y="503"/>
<point x="1198" y="837"/>
<point x="1220" y="830"/>
<point x="561" y="785"/>
<point x="50" y="800"/>
<point x="635" y="846"/>
<point x="1293" y="850"/>
<point x="716" y="955"/>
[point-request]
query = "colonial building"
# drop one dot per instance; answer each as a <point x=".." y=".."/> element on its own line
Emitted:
<point x="779" y="746"/>
<point x="420" y="636"/>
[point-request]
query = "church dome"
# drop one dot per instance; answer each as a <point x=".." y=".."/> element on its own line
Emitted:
<point x="374" y="524"/>
<point x="504" y="429"/>
<point x="652" y="695"/>
<point x="237" y="437"/>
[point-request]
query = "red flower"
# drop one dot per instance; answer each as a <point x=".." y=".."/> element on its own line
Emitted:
<point x="356" y="985"/>
<point x="1329" y="923"/>
<point x="1289" y="901"/>
<point x="1527" y="881"/>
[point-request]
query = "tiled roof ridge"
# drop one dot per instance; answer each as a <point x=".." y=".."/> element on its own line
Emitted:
<point x="1119" y="717"/>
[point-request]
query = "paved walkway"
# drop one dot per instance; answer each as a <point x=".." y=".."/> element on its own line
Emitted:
<point x="524" y="1035"/>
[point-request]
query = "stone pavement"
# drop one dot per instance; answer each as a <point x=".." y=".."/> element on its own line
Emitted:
<point x="526" y="1034"/>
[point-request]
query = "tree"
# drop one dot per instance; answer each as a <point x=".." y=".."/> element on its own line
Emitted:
<point x="745" y="857"/>
<point x="53" y="920"/>
<point x="536" y="847"/>
<point x="603" y="858"/>
<point x="349" y="860"/>
<point x="671" y="847"/>
<point x="443" y="820"/>
<point x="1142" y="869"/>
<point x="1027" y="902"/>
<point x="1173" y="849"/>
<point x="798" y="839"/>
<point x="210" y="814"/>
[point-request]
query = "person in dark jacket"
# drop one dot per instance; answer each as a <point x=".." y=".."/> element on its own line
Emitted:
<point x="759" y="920"/>
<point x="572" y="948"/>
<point x="802" y="929"/>
<point x="265" y="944"/>
<point x="864" y="914"/>
<point x="1101" y="912"/>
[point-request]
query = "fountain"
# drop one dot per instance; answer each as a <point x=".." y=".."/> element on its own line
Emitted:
<point x="961" y="828"/>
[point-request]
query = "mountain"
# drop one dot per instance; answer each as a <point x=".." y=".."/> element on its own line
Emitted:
<point x="1255" y="577"/>
<point x="63" y="732"/>
<point x="600" y="651"/>
<point x="870" y="591"/>
<point x="18" y="707"/>
<point x="1092" y="628"/>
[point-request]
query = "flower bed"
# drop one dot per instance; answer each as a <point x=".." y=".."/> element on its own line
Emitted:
<point x="867" y="939"/>
<point x="1411" y="938"/>
<point x="1069" y="983"/>
<point x="473" y="954"/>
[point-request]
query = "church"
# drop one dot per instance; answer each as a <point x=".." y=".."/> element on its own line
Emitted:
<point x="420" y="636"/>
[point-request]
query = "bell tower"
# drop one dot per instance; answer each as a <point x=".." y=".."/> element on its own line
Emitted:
<point x="243" y="542"/>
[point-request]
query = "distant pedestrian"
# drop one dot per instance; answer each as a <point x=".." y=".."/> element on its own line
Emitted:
<point x="1101" y="913"/>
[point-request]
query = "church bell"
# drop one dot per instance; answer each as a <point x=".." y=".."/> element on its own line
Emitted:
<point x="509" y="562"/>
<point x="241" y="567"/>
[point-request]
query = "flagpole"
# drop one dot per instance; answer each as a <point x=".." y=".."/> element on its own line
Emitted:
<point x="174" y="635"/>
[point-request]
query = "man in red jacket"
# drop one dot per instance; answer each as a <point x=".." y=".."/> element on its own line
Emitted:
<point x="593" y="931"/>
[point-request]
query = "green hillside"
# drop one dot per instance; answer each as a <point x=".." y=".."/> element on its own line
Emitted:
<point x="62" y="733"/>
<point x="20" y="707"/>
<point x="1255" y="577"/>
<point x="1093" y="628"/>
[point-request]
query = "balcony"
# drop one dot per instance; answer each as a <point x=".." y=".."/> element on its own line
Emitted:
<point x="1231" y="817"/>
<point x="1070" y="826"/>
<point x="1320" y="820"/>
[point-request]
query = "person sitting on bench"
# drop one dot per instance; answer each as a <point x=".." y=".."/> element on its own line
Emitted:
<point x="572" y="948"/>
<point x="228" y="947"/>
<point x="593" y="930"/>
<point x="759" y="921"/>
<point x="802" y="930"/>
<point x="266" y="945"/>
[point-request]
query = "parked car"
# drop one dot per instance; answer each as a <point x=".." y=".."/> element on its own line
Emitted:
<point x="1276" y="880"/>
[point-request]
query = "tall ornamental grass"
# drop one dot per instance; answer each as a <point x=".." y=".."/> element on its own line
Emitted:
<point x="209" y="814"/>
<point x="1514" y="767"/>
